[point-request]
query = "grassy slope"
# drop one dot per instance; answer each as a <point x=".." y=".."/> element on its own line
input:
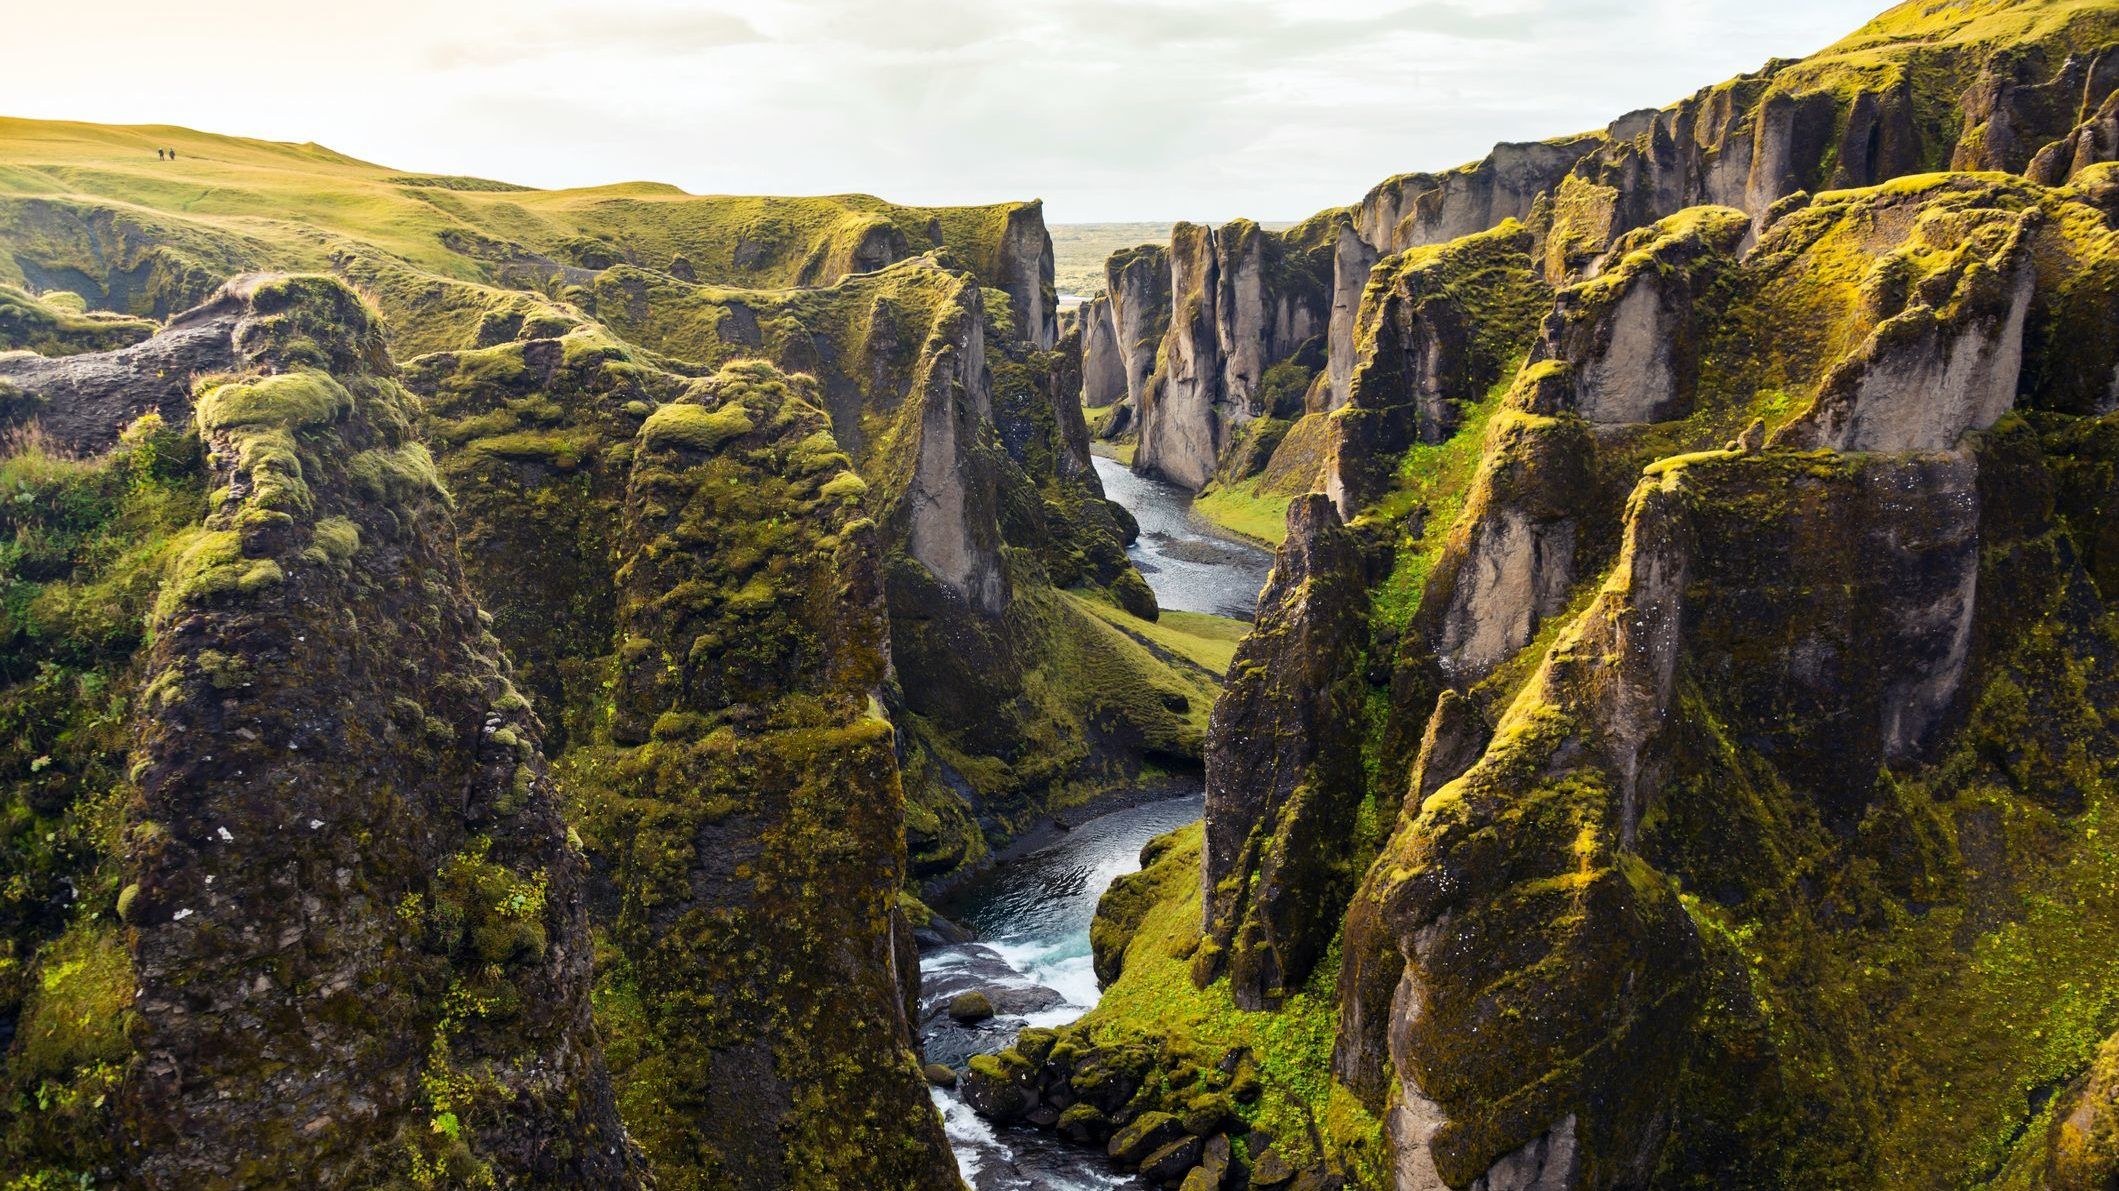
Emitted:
<point x="303" y="200"/>
<point x="1201" y="638"/>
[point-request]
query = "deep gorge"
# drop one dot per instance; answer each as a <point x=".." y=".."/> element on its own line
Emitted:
<point x="1588" y="669"/>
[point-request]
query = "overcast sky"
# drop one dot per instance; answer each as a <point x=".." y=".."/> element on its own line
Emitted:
<point x="1108" y="109"/>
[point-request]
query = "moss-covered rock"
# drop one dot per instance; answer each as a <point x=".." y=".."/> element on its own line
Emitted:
<point x="1283" y="776"/>
<point x="1437" y="328"/>
<point x="379" y="970"/>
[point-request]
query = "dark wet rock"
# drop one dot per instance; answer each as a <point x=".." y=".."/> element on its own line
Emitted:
<point x="1170" y="1163"/>
<point x="1147" y="1134"/>
<point x="979" y="978"/>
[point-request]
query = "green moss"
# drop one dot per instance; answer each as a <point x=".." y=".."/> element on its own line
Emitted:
<point x="287" y="401"/>
<point x="210" y="565"/>
<point x="1206" y="641"/>
<point x="560" y="450"/>
<point x="58" y="324"/>
<point x="76" y="1012"/>
<point x="338" y="538"/>
<point x="695" y="428"/>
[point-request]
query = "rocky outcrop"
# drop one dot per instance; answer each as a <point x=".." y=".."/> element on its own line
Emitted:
<point x="1245" y="299"/>
<point x="752" y="821"/>
<point x="1945" y="357"/>
<point x="1412" y="210"/>
<point x="1438" y="329"/>
<point x="1510" y="562"/>
<point x="1826" y="122"/>
<point x="355" y="939"/>
<point x="1137" y="281"/>
<point x="947" y="514"/>
<point x="1671" y="702"/>
<point x="1630" y="340"/>
<point x="1283" y="767"/>
<point x="2092" y="142"/>
<point x="1602" y="732"/>
<point x="1024" y="270"/>
<point x="87" y="399"/>
<point x="2011" y="118"/>
<point x="1352" y="260"/>
<point x="1103" y="363"/>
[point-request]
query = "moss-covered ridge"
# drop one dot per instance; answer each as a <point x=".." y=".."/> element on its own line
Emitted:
<point x="59" y="324"/>
<point x="1437" y="328"/>
<point x="1925" y="87"/>
<point x="1243" y="299"/>
<point x="1803" y="656"/>
<point x="354" y="937"/>
<point x="1836" y="281"/>
<point x="1284" y="782"/>
<point x="975" y="457"/>
<point x="747" y="798"/>
<point x="1655" y="796"/>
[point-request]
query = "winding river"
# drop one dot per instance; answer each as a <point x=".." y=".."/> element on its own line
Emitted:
<point x="1032" y="913"/>
<point x="1191" y="565"/>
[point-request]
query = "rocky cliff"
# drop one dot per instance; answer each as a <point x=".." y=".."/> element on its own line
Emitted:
<point x="1243" y="299"/>
<point x="1103" y="364"/>
<point x="792" y="641"/>
<point x="2018" y="88"/>
<point x="1283" y="780"/>
<point x="318" y="920"/>
<point x="1731" y="738"/>
<point x="1138" y="284"/>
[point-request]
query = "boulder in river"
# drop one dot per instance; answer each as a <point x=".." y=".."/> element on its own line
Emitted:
<point x="969" y="1007"/>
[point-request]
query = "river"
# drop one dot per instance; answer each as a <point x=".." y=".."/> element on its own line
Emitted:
<point x="1032" y="913"/>
<point x="1191" y="565"/>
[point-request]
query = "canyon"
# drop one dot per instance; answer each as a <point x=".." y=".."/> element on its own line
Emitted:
<point x="1583" y="670"/>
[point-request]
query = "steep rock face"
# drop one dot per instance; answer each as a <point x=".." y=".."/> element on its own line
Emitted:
<point x="1025" y="270"/>
<point x="1352" y="260"/>
<point x="1245" y="299"/>
<point x="1103" y="363"/>
<point x="1137" y="281"/>
<point x="1630" y="338"/>
<point x="356" y="939"/>
<point x="694" y="569"/>
<point x="947" y="512"/>
<point x="1948" y="362"/>
<point x="1508" y="565"/>
<point x="1902" y="311"/>
<point x="2013" y="114"/>
<point x="1836" y="120"/>
<point x="745" y="825"/>
<point x="1412" y="210"/>
<point x="1600" y="742"/>
<point x="1439" y="327"/>
<point x="959" y="427"/>
<point x="1283" y="767"/>
<point x="1677" y="696"/>
<point x="2092" y="142"/>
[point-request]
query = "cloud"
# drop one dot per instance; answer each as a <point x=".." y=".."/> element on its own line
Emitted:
<point x="649" y="32"/>
<point x="1109" y="109"/>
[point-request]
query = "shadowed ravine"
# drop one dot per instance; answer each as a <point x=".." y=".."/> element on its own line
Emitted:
<point x="1032" y="913"/>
